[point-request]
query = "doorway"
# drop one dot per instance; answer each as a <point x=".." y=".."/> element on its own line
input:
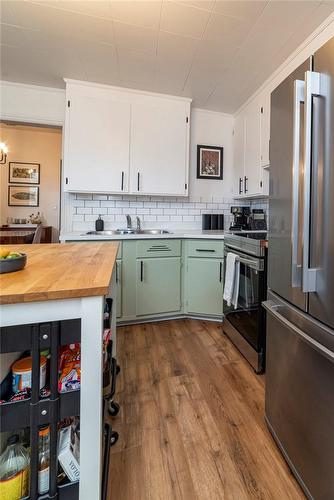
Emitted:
<point x="36" y="149"/>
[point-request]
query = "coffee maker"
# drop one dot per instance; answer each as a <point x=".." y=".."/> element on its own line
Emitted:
<point x="240" y="221"/>
<point x="257" y="220"/>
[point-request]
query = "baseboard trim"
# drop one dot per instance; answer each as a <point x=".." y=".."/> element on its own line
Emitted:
<point x="138" y="321"/>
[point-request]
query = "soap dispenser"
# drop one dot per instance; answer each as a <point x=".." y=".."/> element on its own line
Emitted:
<point x="99" y="224"/>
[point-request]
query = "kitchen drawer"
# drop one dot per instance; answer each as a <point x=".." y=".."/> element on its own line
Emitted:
<point x="158" y="248"/>
<point x="205" y="248"/>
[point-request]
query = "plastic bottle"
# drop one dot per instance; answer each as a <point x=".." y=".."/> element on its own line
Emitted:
<point x="44" y="459"/>
<point x="14" y="470"/>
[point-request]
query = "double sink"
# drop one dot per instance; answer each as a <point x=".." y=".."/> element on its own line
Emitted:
<point x="128" y="231"/>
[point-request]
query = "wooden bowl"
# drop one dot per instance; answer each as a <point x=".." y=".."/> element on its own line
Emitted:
<point x="12" y="265"/>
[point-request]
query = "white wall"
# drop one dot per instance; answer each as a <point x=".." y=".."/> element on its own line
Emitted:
<point x="31" y="103"/>
<point x="211" y="129"/>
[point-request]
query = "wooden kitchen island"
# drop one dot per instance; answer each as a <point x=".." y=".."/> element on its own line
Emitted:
<point x="59" y="299"/>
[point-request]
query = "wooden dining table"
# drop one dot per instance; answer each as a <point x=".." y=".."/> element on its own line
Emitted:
<point x="19" y="237"/>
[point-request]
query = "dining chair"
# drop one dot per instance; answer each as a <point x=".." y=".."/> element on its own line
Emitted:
<point x="38" y="234"/>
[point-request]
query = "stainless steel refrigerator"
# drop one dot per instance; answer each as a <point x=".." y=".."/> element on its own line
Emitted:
<point x="300" y="306"/>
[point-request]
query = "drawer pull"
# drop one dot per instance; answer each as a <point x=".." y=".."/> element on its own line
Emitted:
<point x="159" y="250"/>
<point x="141" y="270"/>
<point x="220" y="271"/>
<point x="205" y="250"/>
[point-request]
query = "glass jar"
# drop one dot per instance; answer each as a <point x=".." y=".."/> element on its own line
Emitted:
<point x="44" y="459"/>
<point x="14" y="470"/>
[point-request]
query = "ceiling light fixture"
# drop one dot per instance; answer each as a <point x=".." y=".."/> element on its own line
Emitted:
<point x="3" y="153"/>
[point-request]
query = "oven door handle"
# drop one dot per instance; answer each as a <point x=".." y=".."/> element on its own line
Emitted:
<point x="254" y="264"/>
<point x="231" y="247"/>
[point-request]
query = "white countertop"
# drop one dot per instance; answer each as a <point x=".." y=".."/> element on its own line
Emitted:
<point x="177" y="234"/>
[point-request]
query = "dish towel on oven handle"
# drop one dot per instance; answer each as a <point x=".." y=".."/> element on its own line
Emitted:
<point x="232" y="278"/>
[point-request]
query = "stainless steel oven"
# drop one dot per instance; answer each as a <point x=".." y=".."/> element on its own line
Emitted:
<point x="245" y="325"/>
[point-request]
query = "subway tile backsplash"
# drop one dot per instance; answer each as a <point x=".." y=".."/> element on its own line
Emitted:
<point x="154" y="211"/>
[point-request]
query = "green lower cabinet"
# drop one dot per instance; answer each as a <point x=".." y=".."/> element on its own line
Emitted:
<point x="158" y="285"/>
<point x="204" y="286"/>
<point x="119" y="288"/>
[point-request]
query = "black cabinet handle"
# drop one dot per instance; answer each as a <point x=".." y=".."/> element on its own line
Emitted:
<point x="220" y="271"/>
<point x="141" y="270"/>
<point x="246" y="188"/>
<point x="117" y="278"/>
<point x="138" y="181"/>
<point x="205" y="250"/>
<point x="240" y="185"/>
<point x="122" y="182"/>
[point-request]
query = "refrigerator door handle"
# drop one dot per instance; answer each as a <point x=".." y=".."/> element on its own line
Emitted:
<point x="312" y="88"/>
<point x="273" y="308"/>
<point x="298" y="98"/>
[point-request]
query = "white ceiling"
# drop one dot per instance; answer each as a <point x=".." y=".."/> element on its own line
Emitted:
<point x="217" y="52"/>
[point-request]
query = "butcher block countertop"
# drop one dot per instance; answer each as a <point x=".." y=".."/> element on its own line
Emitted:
<point x="56" y="271"/>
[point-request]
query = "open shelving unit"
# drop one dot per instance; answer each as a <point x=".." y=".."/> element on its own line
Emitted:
<point x="38" y="411"/>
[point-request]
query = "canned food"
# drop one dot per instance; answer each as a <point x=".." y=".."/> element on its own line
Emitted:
<point x="22" y="370"/>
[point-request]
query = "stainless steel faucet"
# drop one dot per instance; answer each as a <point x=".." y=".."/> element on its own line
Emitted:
<point x="128" y="222"/>
<point x="138" y="223"/>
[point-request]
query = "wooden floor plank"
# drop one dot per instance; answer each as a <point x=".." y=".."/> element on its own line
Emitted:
<point x="192" y="419"/>
<point x="241" y="423"/>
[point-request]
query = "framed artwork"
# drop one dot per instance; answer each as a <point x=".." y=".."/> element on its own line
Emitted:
<point x="23" y="196"/>
<point x="24" y="173"/>
<point x="209" y="162"/>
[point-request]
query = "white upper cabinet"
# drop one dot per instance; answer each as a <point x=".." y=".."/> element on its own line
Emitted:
<point x="97" y="142"/>
<point x="123" y="141"/>
<point x="265" y="129"/>
<point x="251" y="148"/>
<point x="159" y="149"/>
<point x="239" y="154"/>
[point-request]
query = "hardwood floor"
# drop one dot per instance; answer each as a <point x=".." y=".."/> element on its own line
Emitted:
<point x="192" y="419"/>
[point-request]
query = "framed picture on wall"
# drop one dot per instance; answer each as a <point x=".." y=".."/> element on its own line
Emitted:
<point x="24" y="173"/>
<point x="209" y="162"/>
<point x="23" y="196"/>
